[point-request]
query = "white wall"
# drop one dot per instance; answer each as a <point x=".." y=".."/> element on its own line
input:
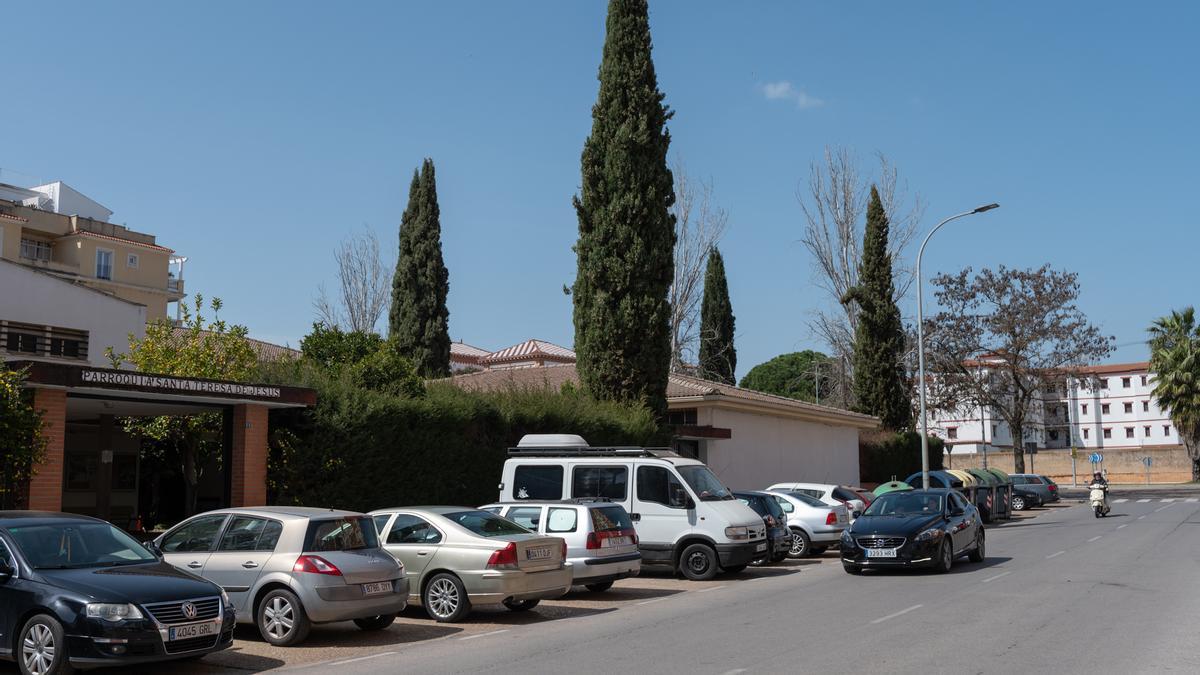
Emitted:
<point x="766" y="449"/>
<point x="29" y="296"/>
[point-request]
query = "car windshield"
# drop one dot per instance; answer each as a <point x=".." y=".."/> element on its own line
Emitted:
<point x="341" y="534"/>
<point x="485" y="524"/>
<point x="807" y="499"/>
<point x="81" y="544"/>
<point x="755" y="502"/>
<point x="906" y="504"/>
<point x="775" y="509"/>
<point x="704" y="483"/>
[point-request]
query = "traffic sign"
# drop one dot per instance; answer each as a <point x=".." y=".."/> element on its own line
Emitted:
<point x="1097" y="458"/>
<point x="1147" y="461"/>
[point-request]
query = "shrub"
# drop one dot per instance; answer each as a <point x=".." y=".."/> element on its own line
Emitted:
<point x="884" y="455"/>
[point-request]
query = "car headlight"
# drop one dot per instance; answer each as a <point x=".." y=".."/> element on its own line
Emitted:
<point x="932" y="534"/>
<point x="847" y="538"/>
<point x="740" y="532"/>
<point x="225" y="599"/>
<point x="112" y="612"/>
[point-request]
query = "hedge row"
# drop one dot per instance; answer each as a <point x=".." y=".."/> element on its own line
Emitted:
<point x="886" y="455"/>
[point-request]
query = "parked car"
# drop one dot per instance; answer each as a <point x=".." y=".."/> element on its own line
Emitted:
<point x="918" y="528"/>
<point x="1045" y="488"/>
<point x="602" y="544"/>
<point x="286" y="568"/>
<point x="685" y="518"/>
<point x="779" y="537"/>
<point x="830" y="494"/>
<point x="458" y="557"/>
<point x="1024" y="497"/>
<point x="78" y="592"/>
<point x="814" y="525"/>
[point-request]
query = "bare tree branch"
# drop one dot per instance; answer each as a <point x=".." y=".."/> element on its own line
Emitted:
<point x="363" y="282"/>
<point x="699" y="225"/>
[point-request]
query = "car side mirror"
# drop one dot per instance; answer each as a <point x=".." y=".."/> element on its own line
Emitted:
<point x="6" y="571"/>
<point x="152" y="546"/>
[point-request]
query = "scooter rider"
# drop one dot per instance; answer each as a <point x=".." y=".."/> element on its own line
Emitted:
<point x="1099" y="482"/>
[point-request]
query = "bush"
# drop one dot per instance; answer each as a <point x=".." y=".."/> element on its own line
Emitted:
<point x="885" y="455"/>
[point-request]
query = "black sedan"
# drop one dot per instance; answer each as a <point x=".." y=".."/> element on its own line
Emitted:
<point x="78" y="592"/>
<point x="778" y="534"/>
<point x="919" y="528"/>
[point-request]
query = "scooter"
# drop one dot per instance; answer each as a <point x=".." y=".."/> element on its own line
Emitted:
<point x="1099" y="499"/>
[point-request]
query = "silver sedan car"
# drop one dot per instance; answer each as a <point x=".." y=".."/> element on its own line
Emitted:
<point x="286" y="568"/>
<point x="457" y="557"/>
<point x="815" y="525"/>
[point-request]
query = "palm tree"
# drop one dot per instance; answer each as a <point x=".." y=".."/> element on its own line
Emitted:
<point x="1175" y="360"/>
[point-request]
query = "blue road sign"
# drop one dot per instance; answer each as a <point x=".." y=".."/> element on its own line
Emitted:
<point x="1097" y="458"/>
<point x="1147" y="461"/>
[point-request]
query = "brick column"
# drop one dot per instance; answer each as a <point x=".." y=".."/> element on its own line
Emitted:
<point x="45" y="488"/>
<point x="248" y="468"/>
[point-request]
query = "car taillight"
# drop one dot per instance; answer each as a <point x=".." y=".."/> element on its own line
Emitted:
<point x="505" y="558"/>
<point x="315" y="564"/>
<point x="564" y="549"/>
<point x="831" y="518"/>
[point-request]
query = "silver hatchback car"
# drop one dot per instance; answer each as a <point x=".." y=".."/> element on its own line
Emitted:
<point x="286" y="568"/>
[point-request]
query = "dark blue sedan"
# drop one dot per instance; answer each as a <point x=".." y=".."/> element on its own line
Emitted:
<point x="918" y="528"/>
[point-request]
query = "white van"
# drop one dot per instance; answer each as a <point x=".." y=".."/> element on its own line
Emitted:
<point x="685" y="518"/>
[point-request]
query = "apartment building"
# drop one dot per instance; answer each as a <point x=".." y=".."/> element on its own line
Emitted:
<point x="58" y="230"/>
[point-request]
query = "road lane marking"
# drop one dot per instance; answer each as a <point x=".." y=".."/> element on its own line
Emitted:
<point x="1192" y="500"/>
<point x="714" y="588"/>
<point x="647" y="602"/>
<point x="1094" y="538"/>
<point x="1168" y="499"/>
<point x="900" y="613"/>
<point x="1141" y="517"/>
<point x="1120" y="501"/>
<point x="495" y="632"/>
<point x="1163" y="508"/>
<point x="1055" y="555"/>
<point x="1002" y="574"/>
<point x="1142" y="501"/>
<point x="735" y="671"/>
<point x="1125" y="525"/>
<point x="361" y="658"/>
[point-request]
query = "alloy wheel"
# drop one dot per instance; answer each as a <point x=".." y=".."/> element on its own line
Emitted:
<point x="443" y="597"/>
<point x="38" y="649"/>
<point x="798" y="546"/>
<point x="947" y="557"/>
<point x="280" y="616"/>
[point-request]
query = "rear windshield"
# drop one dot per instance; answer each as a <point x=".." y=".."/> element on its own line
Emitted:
<point x="806" y="498"/>
<point x="610" y="519"/>
<point x="755" y="502"/>
<point x="485" y="524"/>
<point x="341" y="534"/>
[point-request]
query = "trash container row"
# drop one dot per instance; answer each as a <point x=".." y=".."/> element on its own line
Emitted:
<point x="990" y="490"/>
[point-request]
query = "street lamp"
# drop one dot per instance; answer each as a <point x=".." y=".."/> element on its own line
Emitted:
<point x="921" y="341"/>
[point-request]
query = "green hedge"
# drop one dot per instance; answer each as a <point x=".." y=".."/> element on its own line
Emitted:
<point x="885" y="455"/>
<point x="360" y="449"/>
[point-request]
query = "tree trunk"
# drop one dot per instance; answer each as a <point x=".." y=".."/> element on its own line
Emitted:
<point x="1018" y="436"/>
<point x="1193" y="451"/>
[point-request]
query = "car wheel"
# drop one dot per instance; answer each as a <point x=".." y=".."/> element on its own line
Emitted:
<point x="43" y="647"/>
<point x="851" y="569"/>
<point x="978" y="553"/>
<point x="445" y="598"/>
<point x="600" y="587"/>
<point x="1018" y="503"/>
<point x="521" y="605"/>
<point x="375" y="622"/>
<point x="801" y="546"/>
<point x="281" y="619"/>
<point x="699" y="562"/>
<point x="945" y="557"/>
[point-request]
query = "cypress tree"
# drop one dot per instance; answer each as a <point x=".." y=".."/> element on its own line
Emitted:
<point x="879" y="340"/>
<point x="626" y="229"/>
<point x="718" y="357"/>
<point x="418" y="320"/>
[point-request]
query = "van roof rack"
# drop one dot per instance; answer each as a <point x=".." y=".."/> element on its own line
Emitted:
<point x="587" y="451"/>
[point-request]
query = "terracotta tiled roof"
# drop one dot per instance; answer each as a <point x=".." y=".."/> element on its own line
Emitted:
<point x="682" y="390"/>
<point x="465" y="353"/>
<point x="12" y="218"/>
<point x="267" y="351"/>
<point x="108" y="237"/>
<point x="1140" y="366"/>
<point x="531" y="350"/>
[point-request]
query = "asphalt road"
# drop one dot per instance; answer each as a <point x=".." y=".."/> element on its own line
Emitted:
<point x="1064" y="593"/>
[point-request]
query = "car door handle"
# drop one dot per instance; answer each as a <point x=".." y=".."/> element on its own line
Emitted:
<point x="635" y="517"/>
<point x="422" y="552"/>
<point x="195" y="564"/>
<point x="249" y="564"/>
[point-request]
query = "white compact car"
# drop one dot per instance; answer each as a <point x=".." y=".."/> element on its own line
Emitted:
<point x="830" y="494"/>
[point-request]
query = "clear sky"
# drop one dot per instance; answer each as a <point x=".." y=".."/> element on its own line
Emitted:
<point x="253" y="136"/>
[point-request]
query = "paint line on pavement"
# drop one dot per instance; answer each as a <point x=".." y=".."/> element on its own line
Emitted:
<point x="900" y="613"/>
<point x="1055" y="555"/>
<point x="735" y="671"/>
<point x="647" y="602"/>
<point x="361" y="658"/>
<point x="1120" y="501"/>
<point x="1125" y="525"/>
<point x="495" y="632"/>
<point x="1094" y="538"/>
<point x="713" y="588"/>
<point x="1163" y="508"/>
<point x="1141" y="517"/>
<point x="1192" y="500"/>
<point x="1142" y="501"/>
<point x="1002" y="574"/>
<point x="1168" y="500"/>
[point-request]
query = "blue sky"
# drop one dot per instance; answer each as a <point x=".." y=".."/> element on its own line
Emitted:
<point x="252" y="137"/>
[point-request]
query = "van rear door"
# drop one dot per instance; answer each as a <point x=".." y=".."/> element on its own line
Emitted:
<point x="659" y="511"/>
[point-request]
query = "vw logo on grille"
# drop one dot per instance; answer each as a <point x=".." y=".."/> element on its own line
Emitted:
<point x="189" y="610"/>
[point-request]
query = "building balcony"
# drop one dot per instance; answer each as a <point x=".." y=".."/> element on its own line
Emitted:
<point x="175" y="288"/>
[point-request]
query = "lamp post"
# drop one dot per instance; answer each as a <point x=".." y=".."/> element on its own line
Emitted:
<point x="921" y="341"/>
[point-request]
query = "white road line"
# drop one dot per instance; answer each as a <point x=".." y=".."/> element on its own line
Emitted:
<point x="1167" y="499"/>
<point x="1055" y="555"/>
<point x="647" y="602"/>
<point x="1125" y="525"/>
<point x="1094" y="538"/>
<point x="1141" y="517"/>
<point x="1002" y="574"/>
<point x="1191" y="500"/>
<point x="1142" y="501"/>
<point x="713" y="588"/>
<point x="495" y="632"/>
<point x="735" y="671"/>
<point x="892" y="616"/>
<point x="1163" y="508"/>
<point x="1120" y="501"/>
<point x="361" y="658"/>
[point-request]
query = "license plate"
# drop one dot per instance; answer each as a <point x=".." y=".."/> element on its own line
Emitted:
<point x="881" y="553"/>
<point x="376" y="589"/>
<point x="761" y="547"/>
<point x="540" y="553"/>
<point x="618" y="541"/>
<point x="189" y="631"/>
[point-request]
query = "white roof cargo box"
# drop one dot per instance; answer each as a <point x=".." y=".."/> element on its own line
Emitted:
<point x="552" y="441"/>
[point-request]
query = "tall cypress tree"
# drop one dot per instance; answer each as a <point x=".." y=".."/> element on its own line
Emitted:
<point x="418" y="320"/>
<point x="718" y="357"/>
<point x="626" y="229"/>
<point x="879" y="341"/>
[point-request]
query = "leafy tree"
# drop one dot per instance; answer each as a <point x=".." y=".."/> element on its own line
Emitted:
<point x="419" y="320"/>
<point x="718" y="356"/>
<point x="879" y="337"/>
<point x="22" y="445"/>
<point x="330" y="346"/>
<point x="1005" y="336"/>
<point x="626" y="228"/>
<point x="188" y="444"/>
<point x="1175" y="361"/>
<point x="365" y="358"/>
<point x="799" y="375"/>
